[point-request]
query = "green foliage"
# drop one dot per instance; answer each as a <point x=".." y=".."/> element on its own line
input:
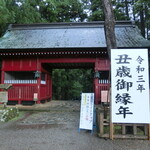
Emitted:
<point x="5" y="17"/>
<point x="26" y="12"/>
<point x="62" y="11"/>
<point x="136" y="10"/>
<point x="4" y="10"/>
<point x="141" y="15"/>
<point x="96" y="11"/>
<point x="38" y="11"/>
<point x="48" y="11"/>
<point x="119" y="15"/>
<point x="98" y="14"/>
<point x="8" y="114"/>
<point x="69" y="83"/>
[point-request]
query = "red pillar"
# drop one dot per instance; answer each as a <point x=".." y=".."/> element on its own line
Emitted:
<point x="50" y="84"/>
<point x="96" y="90"/>
<point x="51" y="87"/>
<point x="2" y="77"/>
<point x="39" y="81"/>
<point x="2" y="72"/>
<point x="96" y="80"/>
<point x="38" y="90"/>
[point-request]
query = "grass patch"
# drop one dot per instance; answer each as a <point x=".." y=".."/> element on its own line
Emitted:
<point x="21" y="115"/>
<point x="117" y="129"/>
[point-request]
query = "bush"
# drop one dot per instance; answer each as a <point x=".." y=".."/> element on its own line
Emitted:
<point x="8" y="114"/>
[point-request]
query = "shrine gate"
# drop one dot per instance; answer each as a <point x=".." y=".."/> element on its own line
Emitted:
<point x="29" y="52"/>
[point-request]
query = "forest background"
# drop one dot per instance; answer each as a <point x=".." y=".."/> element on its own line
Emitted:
<point x="69" y="83"/>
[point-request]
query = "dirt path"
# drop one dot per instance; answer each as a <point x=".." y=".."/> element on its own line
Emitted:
<point x="57" y="129"/>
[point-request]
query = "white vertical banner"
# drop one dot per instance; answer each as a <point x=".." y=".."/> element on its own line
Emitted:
<point x="130" y="86"/>
<point x="87" y="111"/>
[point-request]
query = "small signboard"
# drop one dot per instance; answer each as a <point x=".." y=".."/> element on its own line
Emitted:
<point x="130" y="86"/>
<point x="35" y="96"/>
<point x="105" y="96"/>
<point x="4" y="97"/>
<point x="87" y="111"/>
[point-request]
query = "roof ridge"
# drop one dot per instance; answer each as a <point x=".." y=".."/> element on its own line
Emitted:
<point x="65" y="25"/>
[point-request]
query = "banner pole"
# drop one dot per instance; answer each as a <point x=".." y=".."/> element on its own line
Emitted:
<point x="111" y="125"/>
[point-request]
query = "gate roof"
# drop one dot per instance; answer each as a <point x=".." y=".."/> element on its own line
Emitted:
<point x="70" y="35"/>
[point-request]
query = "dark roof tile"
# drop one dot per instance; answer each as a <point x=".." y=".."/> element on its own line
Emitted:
<point x="69" y="35"/>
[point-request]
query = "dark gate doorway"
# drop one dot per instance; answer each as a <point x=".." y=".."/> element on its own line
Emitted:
<point x="70" y="79"/>
<point x="68" y="84"/>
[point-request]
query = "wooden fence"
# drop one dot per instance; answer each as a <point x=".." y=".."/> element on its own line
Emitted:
<point x="21" y="92"/>
<point x="131" y="131"/>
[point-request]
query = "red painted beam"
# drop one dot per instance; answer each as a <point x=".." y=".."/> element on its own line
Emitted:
<point x="68" y="60"/>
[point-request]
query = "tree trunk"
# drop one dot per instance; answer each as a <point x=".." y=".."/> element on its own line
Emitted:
<point x="133" y="9"/>
<point x="146" y="22"/>
<point x="109" y="26"/>
<point x="142" y="22"/>
<point x="126" y="8"/>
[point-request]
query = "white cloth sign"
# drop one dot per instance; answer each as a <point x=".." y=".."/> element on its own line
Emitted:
<point x="130" y="86"/>
<point x="86" y="111"/>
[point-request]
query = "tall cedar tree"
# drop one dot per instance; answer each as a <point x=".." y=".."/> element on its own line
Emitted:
<point x="109" y="25"/>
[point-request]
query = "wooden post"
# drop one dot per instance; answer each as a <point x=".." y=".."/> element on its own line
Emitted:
<point x="111" y="125"/>
<point x="134" y="129"/>
<point x="5" y="104"/>
<point x="111" y="130"/>
<point x="145" y="129"/>
<point x="123" y="129"/>
<point x="101" y="123"/>
<point x="149" y="132"/>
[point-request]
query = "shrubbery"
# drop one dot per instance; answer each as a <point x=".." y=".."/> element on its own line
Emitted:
<point x="8" y="114"/>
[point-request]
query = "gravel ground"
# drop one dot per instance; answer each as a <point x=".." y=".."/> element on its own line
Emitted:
<point x="57" y="129"/>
